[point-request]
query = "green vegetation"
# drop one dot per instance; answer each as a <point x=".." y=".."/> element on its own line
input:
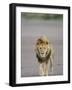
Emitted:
<point x="42" y="16"/>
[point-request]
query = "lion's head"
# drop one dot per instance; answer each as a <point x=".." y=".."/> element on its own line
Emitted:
<point x="42" y="46"/>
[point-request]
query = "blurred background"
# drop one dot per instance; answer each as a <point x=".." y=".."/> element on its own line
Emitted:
<point x="34" y="25"/>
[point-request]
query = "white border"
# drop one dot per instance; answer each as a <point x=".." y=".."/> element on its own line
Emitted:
<point x="63" y="77"/>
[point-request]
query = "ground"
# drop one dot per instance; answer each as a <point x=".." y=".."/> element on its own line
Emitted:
<point x="30" y="31"/>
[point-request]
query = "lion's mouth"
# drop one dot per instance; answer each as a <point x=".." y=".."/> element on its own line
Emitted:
<point x="42" y="53"/>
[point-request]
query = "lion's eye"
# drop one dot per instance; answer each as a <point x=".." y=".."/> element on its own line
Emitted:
<point x="46" y="42"/>
<point x="40" y="47"/>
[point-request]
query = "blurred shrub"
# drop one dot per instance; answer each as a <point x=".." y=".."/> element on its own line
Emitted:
<point x="42" y="16"/>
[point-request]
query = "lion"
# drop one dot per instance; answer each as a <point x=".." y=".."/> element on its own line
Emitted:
<point x="44" y="54"/>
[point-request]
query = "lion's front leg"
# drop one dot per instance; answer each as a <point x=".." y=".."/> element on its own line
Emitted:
<point x="41" y="69"/>
<point x="45" y="69"/>
<point x="51" y="63"/>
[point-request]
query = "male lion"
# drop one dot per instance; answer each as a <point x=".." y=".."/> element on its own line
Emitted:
<point x="44" y="54"/>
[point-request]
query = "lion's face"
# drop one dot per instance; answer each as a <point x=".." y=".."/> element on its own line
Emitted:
<point x="42" y="47"/>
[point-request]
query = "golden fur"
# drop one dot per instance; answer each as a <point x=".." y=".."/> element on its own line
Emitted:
<point x="44" y="53"/>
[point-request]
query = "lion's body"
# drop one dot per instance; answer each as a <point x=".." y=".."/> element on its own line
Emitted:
<point x="44" y="54"/>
